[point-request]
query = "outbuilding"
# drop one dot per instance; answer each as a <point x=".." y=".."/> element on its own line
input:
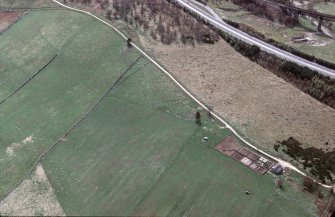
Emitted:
<point x="277" y="169"/>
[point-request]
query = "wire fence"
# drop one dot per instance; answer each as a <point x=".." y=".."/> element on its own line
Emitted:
<point x="27" y="81"/>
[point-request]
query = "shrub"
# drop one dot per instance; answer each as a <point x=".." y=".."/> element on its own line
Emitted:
<point x="321" y="163"/>
<point x="310" y="184"/>
<point x="198" y="118"/>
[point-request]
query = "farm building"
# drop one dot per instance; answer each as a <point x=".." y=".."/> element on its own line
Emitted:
<point x="277" y="169"/>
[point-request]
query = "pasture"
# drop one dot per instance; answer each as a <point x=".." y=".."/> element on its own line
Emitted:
<point x="141" y="153"/>
<point x="325" y="7"/>
<point x="89" y="59"/>
<point x="7" y="19"/>
<point x="126" y="142"/>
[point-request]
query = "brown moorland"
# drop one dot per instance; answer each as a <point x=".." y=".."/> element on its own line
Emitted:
<point x="263" y="107"/>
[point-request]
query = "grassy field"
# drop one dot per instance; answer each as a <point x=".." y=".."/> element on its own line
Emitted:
<point x="325" y="7"/>
<point x="138" y="151"/>
<point x="90" y="58"/>
<point x="128" y="142"/>
<point x="279" y="32"/>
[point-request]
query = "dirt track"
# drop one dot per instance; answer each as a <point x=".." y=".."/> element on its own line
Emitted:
<point x="262" y="106"/>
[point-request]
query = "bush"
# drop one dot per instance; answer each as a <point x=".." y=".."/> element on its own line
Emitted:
<point x="321" y="163"/>
<point x="198" y="118"/>
<point x="276" y="147"/>
<point x="310" y="184"/>
<point x="299" y="71"/>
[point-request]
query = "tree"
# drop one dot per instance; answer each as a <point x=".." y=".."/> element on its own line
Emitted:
<point x="129" y="42"/>
<point x="153" y="34"/>
<point x="198" y="118"/>
<point x="109" y="14"/>
<point x="310" y="184"/>
<point x="279" y="183"/>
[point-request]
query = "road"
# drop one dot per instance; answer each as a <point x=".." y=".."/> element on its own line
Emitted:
<point x="216" y="21"/>
<point x="282" y="162"/>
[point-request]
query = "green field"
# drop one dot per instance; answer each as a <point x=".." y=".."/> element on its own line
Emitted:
<point x="140" y="153"/>
<point x="138" y="150"/>
<point x="325" y="7"/>
<point x="90" y="58"/>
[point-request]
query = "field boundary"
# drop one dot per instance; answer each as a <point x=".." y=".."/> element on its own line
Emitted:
<point x="67" y="132"/>
<point x="282" y="162"/>
<point x="17" y="20"/>
<point x="27" y="81"/>
<point x="93" y="107"/>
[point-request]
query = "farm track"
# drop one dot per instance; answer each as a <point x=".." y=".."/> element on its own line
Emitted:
<point x="282" y="162"/>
